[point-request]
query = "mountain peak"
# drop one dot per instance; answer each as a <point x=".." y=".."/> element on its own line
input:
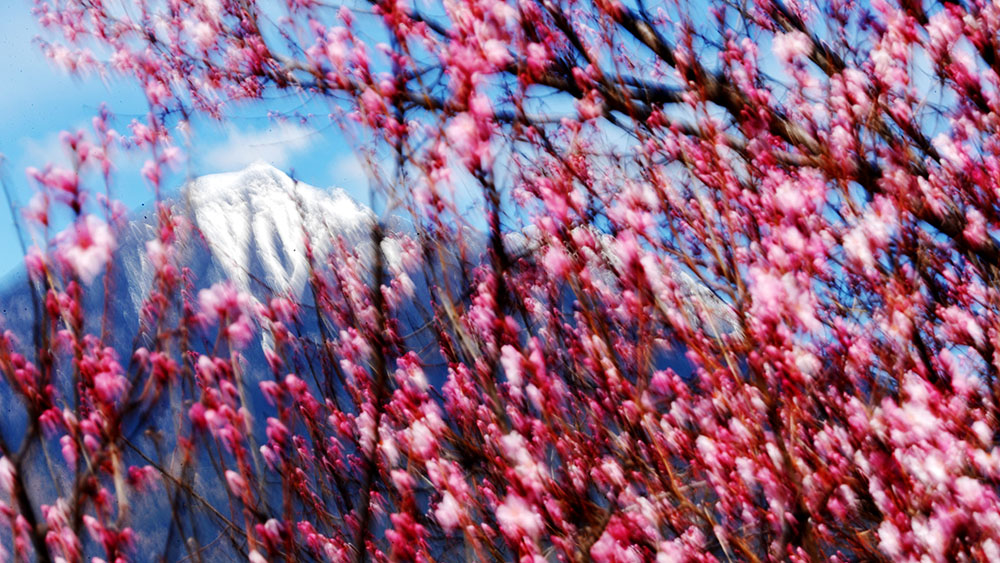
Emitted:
<point x="256" y="220"/>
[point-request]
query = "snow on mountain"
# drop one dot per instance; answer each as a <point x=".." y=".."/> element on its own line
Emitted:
<point x="255" y="222"/>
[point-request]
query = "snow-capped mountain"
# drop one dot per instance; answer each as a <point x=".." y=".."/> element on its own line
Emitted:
<point x="255" y="220"/>
<point x="250" y="229"/>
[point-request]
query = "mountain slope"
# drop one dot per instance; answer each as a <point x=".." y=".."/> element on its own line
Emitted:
<point x="255" y="221"/>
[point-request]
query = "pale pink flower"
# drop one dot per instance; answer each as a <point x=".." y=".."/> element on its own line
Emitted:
<point x="69" y="450"/>
<point x="402" y="480"/>
<point x="590" y="106"/>
<point x="240" y="332"/>
<point x="270" y="457"/>
<point x="959" y="324"/>
<point x="857" y="248"/>
<point x="237" y="484"/>
<point x="284" y="309"/>
<point x="510" y="359"/>
<point x="462" y="132"/>
<point x="889" y="540"/>
<point x="201" y="32"/>
<point x="109" y="386"/>
<point x="517" y="518"/>
<point x="272" y="530"/>
<point x="496" y="53"/>
<point x="607" y="549"/>
<point x="34" y="261"/>
<point x="943" y="29"/>
<point x="142" y="477"/>
<point x="222" y="300"/>
<point x="790" y="198"/>
<point x="158" y="254"/>
<point x="87" y="247"/>
<point x="557" y="262"/>
<point x="6" y="475"/>
<point x="448" y="512"/>
<point x="976" y="228"/>
<point x="791" y="46"/>
<point x="481" y="107"/>
<point x="422" y="439"/>
<point x="538" y="57"/>
<point x="366" y="431"/>
<point x="372" y="103"/>
<point x="37" y="210"/>
<point x="948" y="149"/>
<point x="336" y="46"/>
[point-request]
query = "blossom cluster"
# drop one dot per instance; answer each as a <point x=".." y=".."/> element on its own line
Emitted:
<point x="735" y="296"/>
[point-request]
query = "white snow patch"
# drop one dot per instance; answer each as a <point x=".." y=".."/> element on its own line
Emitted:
<point x="260" y="213"/>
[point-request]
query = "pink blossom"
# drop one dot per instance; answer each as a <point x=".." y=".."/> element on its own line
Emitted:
<point x="336" y="45"/>
<point x="496" y="53"/>
<point x="607" y="549"/>
<point x="271" y="457"/>
<point x="237" y="484"/>
<point x="791" y="46"/>
<point x="37" y="210"/>
<point x="949" y="150"/>
<point x="201" y="32"/>
<point x="590" y="106"/>
<point x="448" y="512"/>
<point x="423" y="442"/>
<point x="812" y="249"/>
<point x="857" y="248"/>
<point x="366" y="432"/>
<point x="889" y="539"/>
<point x="538" y="57"/>
<point x="284" y="309"/>
<point x="197" y="415"/>
<point x="403" y="481"/>
<point x="976" y="229"/>
<point x="961" y="326"/>
<point x="109" y="386"/>
<point x="34" y="261"/>
<point x="511" y="359"/>
<point x="222" y="300"/>
<point x="463" y="133"/>
<point x="790" y="198"/>
<point x="272" y="392"/>
<point x="158" y="254"/>
<point x="943" y="29"/>
<point x="516" y="518"/>
<point x="7" y="475"/>
<point x="240" y="332"/>
<point x="69" y="450"/>
<point x="277" y="432"/>
<point x="142" y="477"/>
<point x="87" y="246"/>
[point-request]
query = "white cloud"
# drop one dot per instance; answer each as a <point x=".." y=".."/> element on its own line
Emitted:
<point x="42" y="150"/>
<point x="346" y="171"/>
<point x="275" y="145"/>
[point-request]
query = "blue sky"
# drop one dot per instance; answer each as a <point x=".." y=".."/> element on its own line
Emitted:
<point x="38" y="101"/>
